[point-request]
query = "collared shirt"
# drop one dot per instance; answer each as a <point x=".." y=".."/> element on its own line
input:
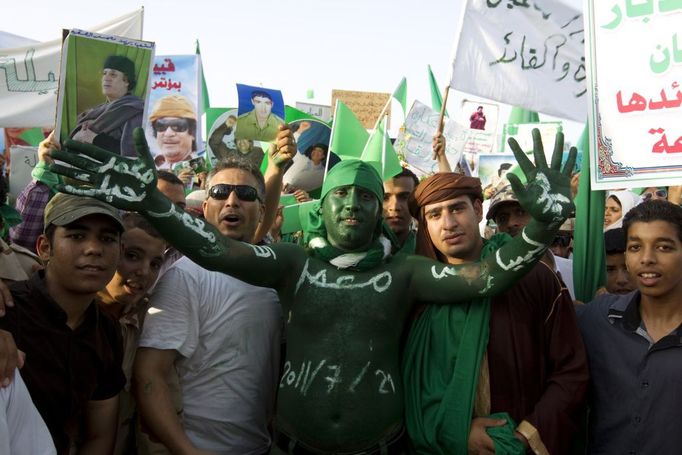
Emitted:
<point x="64" y="368"/>
<point x="248" y="128"/>
<point x="30" y="204"/>
<point x="635" y="383"/>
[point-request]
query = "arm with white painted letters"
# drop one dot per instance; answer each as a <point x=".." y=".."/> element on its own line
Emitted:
<point x="546" y="198"/>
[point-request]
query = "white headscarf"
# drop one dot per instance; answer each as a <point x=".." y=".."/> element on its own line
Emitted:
<point x="627" y="200"/>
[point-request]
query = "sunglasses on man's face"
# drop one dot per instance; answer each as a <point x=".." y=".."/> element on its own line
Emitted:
<point x="178" y="125"/>
<point x="221" y="191"/>
<point x="660" y="194"/>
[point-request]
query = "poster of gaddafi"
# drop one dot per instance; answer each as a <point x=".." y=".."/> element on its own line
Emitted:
<point x="221" y="124"/>
<point x="635" y="89"/>
<point x="481" y="120"/>
<point x="103" y="87"/>
<point x="492" y="171"/>
<point x="174" y="126"/>
<point x="307" y="169"/>
<point x="261" y="111"/>
<point x="414" y="142"/>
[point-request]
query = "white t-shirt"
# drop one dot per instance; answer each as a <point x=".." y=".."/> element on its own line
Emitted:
<point x="22" y="429"/>
<point x="303" y="174"/>
<point x="227" y="333"/>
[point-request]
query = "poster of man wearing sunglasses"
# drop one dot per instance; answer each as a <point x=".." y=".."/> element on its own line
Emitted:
<point x="172" y="131"/>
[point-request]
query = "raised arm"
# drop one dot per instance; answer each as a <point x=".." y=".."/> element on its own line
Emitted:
<point x="130" y="184"/>
<point x="546" y="198"/>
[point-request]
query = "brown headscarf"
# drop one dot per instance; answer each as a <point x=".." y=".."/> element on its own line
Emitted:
<point x="437" y="188"/>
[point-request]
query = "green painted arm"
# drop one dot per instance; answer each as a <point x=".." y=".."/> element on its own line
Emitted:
<point x="546" y="198"/>
<point x="130" y="184"/>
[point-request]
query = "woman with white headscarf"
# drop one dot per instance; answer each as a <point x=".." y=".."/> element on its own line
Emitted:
<point x="618" y="203"/>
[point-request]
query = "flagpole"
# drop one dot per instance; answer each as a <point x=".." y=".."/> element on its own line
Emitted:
<point x="441" y="120"/>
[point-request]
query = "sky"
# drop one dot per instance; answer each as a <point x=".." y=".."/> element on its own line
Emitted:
<point x="319" y="45"/>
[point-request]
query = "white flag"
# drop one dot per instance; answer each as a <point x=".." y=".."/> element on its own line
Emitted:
<point x="523" y="53"/>
<point x="30" y="75"/>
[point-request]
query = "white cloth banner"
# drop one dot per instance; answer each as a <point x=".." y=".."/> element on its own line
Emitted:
<point x="30" y="75"/>
<point x="523" y="53"/>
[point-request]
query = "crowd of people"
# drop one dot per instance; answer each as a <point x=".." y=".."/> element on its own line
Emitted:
<point x="394" y="324"/>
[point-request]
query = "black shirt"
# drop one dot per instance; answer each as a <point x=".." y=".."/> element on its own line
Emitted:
<point x="64" y="368"/>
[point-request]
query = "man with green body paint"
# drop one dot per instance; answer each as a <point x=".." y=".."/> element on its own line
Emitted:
<point x="347" y="299"/>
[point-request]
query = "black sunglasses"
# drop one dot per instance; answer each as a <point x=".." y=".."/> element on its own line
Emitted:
<point x="179" y="125"/>
<point x="659" y="193"/>
<point x="221" y="191"/>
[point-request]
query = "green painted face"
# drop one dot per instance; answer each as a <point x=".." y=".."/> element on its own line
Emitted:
<point x="350" y="215"/>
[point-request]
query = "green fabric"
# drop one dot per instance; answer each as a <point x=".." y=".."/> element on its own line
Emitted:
<point x="379" y="152"/>
<point x="521" y="115"/>
<point x="348" y="136"/>
<point x="43" y="174"/>
<point x="589" y="258"/>
<point x="436" y="97"/>
<point x="400" y="95"/>
<point x="348" y="172"/>
<point x="10" y="218"/>
<point x="356" y="173"/>
<point x="205" y="102"/>
<point x="441" y="364"/>
<point x="503" y="436"/>
<point x="33" y="136"/>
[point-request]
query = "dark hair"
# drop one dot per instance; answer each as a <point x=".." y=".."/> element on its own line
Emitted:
<point x="169" y="177"/>
<point x="132" y="220"/>
<point x="124" y="65"/>
<point x="657" y="210"/>
<point x="3" y="190"/>
<point x="309" y="151"/>
<point x="244" y="165"/>
<point x="479" y="107"/>
<point x="503" y="167"/>
<point x="614" y="241"/>
<point x="49" y="233"/>
<point x="261" y="93"/>
<point x="409" y="174"/>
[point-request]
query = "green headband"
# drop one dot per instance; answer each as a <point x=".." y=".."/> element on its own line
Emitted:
<point x="356" y="173"/>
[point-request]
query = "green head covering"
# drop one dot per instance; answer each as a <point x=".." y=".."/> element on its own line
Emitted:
<point x="353" y="172"/>
<point x="344" y="173"/>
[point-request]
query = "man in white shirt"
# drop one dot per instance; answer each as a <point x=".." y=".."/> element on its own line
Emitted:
<point x="222" y="335"/>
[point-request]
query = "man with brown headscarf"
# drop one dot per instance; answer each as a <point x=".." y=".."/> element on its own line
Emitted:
<point x="473" y="372"/>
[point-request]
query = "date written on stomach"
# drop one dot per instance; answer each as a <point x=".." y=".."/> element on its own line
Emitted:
<point x="325" y="374"/>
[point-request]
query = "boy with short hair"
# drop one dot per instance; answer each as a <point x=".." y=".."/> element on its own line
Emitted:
<point x="73" y="352"/>
<point x="634" y="342"/>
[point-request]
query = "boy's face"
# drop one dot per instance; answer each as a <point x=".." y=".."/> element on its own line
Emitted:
<point x="653" y="257"/>
<point x="618" y="279"/>
<point x="82" y="256"/>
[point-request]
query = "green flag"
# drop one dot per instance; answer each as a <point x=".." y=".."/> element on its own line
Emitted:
<point x="379" y="152"/>
<point x="291" y="114"/>
<point x="400" y="95"/>
<point x="436" y="97"/>
<point x="589" y="258"/>
<point x="33" y="136"/>
<point x="348" y="137"/>
<point x="310" y="94"/>
<point x="205" y="103"/>
<point x="521" y="115"/>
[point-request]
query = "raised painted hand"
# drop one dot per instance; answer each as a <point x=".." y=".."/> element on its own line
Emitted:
<point x="122" y="182"/>
<point x="547" y="195"/>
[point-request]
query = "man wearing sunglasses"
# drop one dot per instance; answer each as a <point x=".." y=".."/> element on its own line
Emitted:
<point x="174" y="125"/>
<point x="346" y="299"/>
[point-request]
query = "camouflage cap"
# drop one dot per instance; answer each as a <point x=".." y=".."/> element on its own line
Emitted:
<point x="504" y="194"/>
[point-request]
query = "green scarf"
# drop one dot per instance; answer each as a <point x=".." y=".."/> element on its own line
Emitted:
<point x="441" y="364"/>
